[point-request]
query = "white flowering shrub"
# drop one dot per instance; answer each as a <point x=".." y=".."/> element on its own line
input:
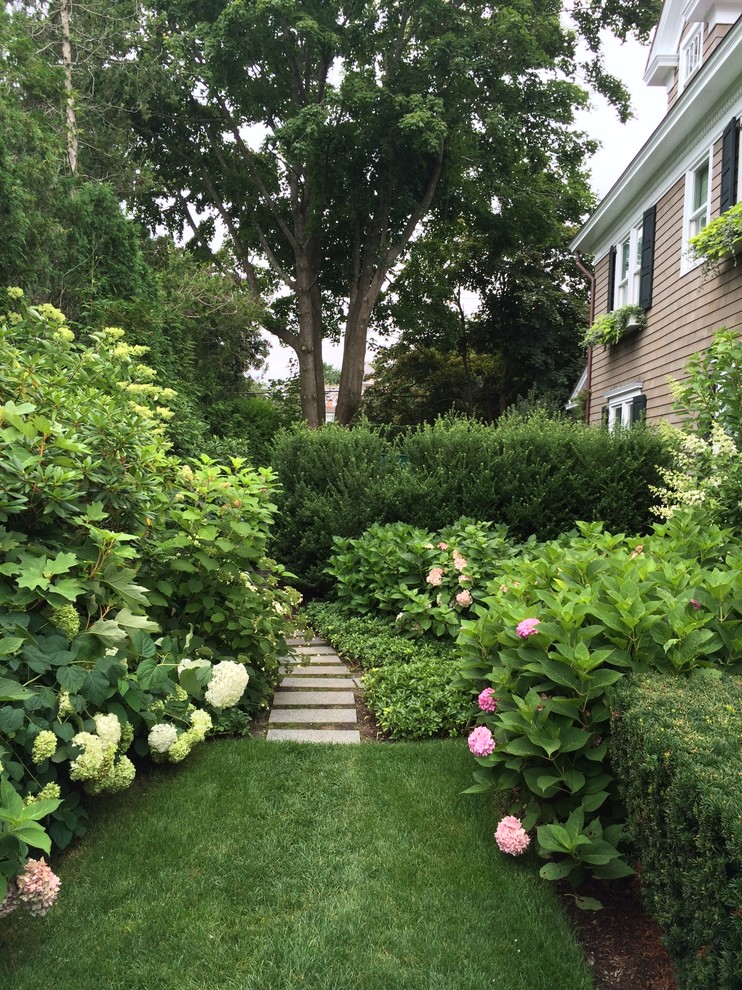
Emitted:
<point x="117" y="562"/>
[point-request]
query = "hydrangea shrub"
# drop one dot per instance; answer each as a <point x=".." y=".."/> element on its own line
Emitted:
<point x="134" y="590"/>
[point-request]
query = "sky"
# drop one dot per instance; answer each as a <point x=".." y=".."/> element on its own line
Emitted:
<point x="619" y="144"/>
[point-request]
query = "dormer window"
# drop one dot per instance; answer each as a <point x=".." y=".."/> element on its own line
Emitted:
<point x="691" y="54"/>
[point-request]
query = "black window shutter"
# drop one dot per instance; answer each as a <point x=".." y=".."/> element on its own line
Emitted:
<point x="638" y="409"/>
<point x="729" y="165"/>
<point x="611" y="278"/>
<point x="647" y="266"/>
<point x="604" y="416"/>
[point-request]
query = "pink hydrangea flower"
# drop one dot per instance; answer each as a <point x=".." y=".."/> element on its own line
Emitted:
<point x="442" y="546"/>
<point x="511" y="837"/>
<point x="481" y="741"/>
<point x="37" y="887"/>
<point x="464" y="578"/>
<point x="504" y="589"/>
<point x="459" y="562"/>
<point x="435" y="576"/>
<point x="527" y="627"/>
<point x="487" y="700"/>
<point x="464" y="598"/>
<point x="10" y="901"/>
<point x="695" y="603"/>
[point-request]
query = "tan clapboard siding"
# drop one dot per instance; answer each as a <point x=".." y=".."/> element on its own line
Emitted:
<point x="686" y="310"/>
<point x="714" y="38"/>
<point x="601" y="286"/>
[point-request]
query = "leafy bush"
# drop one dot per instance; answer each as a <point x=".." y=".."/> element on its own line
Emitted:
<point x="91" y="506"/>
<point x="563" y="626"/>
<point x="707" y="467"/>
<point x="409" y="684"/>
<point x="417" y="699"/>
<point x="675" y="751"/>
<point x="534" y="475"/>
<point x="429" y="581"/>
<point x="333" y="483"/>
<point x="370" y="640"/>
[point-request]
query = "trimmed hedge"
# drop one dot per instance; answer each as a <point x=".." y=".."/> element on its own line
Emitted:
<point x="535" y="475"/>
<point x="676" y="751"/>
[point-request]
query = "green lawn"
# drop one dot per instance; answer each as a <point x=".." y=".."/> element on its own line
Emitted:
<point x="277" y="866"/>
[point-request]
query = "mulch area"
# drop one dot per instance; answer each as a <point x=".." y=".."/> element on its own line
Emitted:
<point x="622" y="943"/>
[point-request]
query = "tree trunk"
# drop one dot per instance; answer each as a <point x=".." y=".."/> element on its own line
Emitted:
<point x="354" y="355"/>
<point x="309" y="352"/>
<point x="71" y="116"/>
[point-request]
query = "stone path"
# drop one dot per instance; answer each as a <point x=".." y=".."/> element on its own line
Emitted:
<point x="315" y="700"/>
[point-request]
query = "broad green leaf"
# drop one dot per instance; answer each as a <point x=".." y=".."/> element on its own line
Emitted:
<point x="33" y="835"/>
<point x="10" y="644"/>
<point x="13" y="691"/>
<point x="556" y="871"/>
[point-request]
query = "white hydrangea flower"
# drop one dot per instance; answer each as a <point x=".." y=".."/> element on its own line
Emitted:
<point x="201" y="723"/>
<point x="227" y="684"/>
<point x="108" y="728"/>
<point x="95" y="760"/>
<point x="162" y="737"/>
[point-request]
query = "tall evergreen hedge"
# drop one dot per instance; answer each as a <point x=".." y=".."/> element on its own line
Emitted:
<point x="536" y="475"/>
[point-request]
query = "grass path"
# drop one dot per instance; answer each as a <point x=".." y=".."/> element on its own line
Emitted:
<point x="265" y="866"/>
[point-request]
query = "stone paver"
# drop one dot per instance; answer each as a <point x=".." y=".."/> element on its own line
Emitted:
<point x="310" y="698"/>
<point x="319" y="682"/>
<point x="314" y="678"/>
<point x="315" y="735"/>
<point x="326" y="716"/>
<point x="322" y="669"/>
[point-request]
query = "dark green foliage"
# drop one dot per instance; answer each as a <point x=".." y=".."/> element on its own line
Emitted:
<point x="535" y="475"/>
<point x="373" y="641"/>
<point x="418" y="700"/>
<point x="409" y="685"/>
<point x="676" y="752"/>
<point x="334" y="482"/>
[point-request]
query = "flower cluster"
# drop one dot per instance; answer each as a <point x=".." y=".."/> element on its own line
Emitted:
<point x="108" y="728"/>
<point x="49" y="792"/>
<point x="481" y="741"/>
<point x="161" y="737"/>
<point x="527" y="628"/>
<point x="487" y="700"/>
<point x="44" y="746"/>
<point x="36" y="889"/>
<point x="464" y="598"/>
<point x="66" y="618"/>
<point x="435" y="577"/>
<point x="511" y="837"/>
<point x="227" y="684"/>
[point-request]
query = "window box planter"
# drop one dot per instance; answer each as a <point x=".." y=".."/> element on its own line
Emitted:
<point x="720" y="239"/>
<point x="611" y="327"/>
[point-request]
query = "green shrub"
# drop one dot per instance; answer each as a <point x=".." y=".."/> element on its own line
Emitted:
<point x="676" y="754"/>
<point x="370" y="640"/>
<point x="409" y="684"/>
<point x="418" y="699"/>
<point x="428" y="581"/>
<point x="333" y="483"/>
<point x="566" y="624"/>
<point x="534" y="475"/>
<point x="105" y="540"/>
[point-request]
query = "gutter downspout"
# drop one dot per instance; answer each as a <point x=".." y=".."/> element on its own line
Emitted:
<point x="589" y="376"/>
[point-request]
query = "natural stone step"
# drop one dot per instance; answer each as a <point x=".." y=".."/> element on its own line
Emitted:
<point x="333" y="671"/>
<point x="315" y="735"/>
<point x="283" y="698"/>
<point x="329" y="716"/>
<point x="324" y="648"/>
<point x="312" y="658"/>
<point x="318" y="681"/>
<point x="300" y="641"/>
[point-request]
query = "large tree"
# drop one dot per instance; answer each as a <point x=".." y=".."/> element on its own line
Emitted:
<point x="321" y="134"/>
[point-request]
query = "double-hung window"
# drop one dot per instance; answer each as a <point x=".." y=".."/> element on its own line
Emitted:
<point x="697" y="205"/>
<point x="628" y="267"/>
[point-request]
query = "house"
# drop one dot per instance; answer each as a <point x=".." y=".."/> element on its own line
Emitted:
<point x="686" y="174"/>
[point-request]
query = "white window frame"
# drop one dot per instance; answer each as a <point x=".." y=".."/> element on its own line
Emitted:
<point x="695" y="217"/>
<point x="691" y="57"/>
<point x="628" y="267"/>
<point x="619" y="401"/>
